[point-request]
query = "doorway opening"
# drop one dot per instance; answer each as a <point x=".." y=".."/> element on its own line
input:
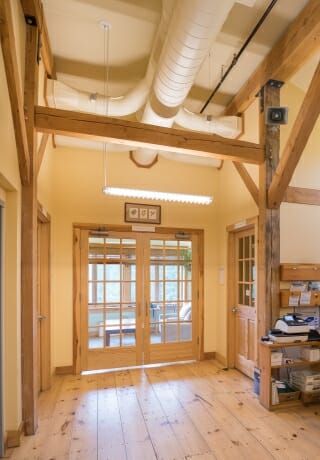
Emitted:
<point x="242" y="299"/>
<point x="43" y="304"/>
<point x="137" y="298"/>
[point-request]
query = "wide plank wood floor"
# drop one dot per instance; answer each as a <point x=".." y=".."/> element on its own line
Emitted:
<point x="195" y="411"/>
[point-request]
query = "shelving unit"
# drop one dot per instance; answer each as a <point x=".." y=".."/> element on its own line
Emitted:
<point x="290" y="273"/>
<point x="268" y="371"/>
<point x="299" y="272"/>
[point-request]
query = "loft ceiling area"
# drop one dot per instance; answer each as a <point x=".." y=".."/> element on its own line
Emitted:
<point x="142" y="43"/>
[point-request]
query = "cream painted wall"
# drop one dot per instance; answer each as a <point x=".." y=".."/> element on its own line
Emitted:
<point x="235" y="205"/>
<point x="10" y="183"/>
<point x="78" y="180"/>
<point x="301" y="222"/>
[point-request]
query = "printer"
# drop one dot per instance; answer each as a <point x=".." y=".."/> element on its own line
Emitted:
<point x="292" y="323"/>
<point x="291" y="328"/>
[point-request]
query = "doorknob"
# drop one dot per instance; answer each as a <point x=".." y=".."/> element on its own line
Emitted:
<point x="41" y="317"/>
<point x="234" y="309"/>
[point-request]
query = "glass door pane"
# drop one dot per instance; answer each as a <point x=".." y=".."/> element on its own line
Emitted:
<point x="111" y="292"/>
<point x="170" y="274"/>
<point x="246" y="271"/>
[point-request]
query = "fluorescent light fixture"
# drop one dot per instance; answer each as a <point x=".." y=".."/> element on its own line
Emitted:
<point x="163" y="196"/>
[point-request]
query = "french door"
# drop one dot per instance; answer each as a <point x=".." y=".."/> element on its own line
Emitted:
<point x="138" y="298"/>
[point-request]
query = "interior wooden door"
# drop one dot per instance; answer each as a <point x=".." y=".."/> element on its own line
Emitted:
<point x="171" y="293"/>
<point x="111" y="310"/>
<point x="245" y="309"/>
<point x="137" y="297"/>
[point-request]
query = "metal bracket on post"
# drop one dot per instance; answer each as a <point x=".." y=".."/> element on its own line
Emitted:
<point x="260" y="95"/>
<point x="275" y="83"/>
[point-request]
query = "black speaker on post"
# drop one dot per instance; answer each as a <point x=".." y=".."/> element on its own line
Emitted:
<point x="277" y="116"/>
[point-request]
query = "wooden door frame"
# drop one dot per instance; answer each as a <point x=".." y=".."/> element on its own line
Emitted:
<point x="44" y="275"/>
<point x="77" y="227"/>
<point x="231" y="276"/>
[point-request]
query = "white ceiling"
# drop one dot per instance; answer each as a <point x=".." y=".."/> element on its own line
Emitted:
<point x="77" y="42"/>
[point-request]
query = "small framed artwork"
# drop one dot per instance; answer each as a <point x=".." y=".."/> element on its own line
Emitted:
<point x="142" y="213"/>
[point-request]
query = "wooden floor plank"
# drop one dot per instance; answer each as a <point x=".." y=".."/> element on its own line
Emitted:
<point x="165" y="443"/>
<point x="194" y="411"/>
<point x="110" y="434"/>
<point x="237" y="439"/>
<point x="185" y="430"/>
<point x="136" y="437"/>
<point x="83" y="442"/>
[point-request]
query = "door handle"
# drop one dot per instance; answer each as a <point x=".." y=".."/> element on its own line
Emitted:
<point x="41" y="317"/>
<point x="234" y="309"/>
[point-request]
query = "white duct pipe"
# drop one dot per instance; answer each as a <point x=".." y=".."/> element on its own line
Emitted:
<point x="192" y="30"/>
<point x="194" y="25"/>
<point x="230" y="126"/>
<point x="62" y="96"/>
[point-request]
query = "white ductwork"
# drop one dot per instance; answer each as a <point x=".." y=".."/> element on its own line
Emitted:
<point x="230" y="126"/>
<point x="193" y="28"/>
<point x="62" y="96"/>
<point x="176" y="57"/>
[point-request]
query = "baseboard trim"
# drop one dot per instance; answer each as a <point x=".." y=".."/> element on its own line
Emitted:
<point x="221" y="359"/>
<point x="209" y="355"/>
<point x="13" y="437"/>
<point x="64" y="370"/>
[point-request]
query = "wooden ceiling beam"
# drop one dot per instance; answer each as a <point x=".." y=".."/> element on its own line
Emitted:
<point x="248" y="181"/>
<point x="298" y="138"/>
<point x="292" y="51"/>
<point x="14" y="89"/>
<point x="134" y="134"/>
<point x="34" y="9"/>
<point x="301" y="195"/>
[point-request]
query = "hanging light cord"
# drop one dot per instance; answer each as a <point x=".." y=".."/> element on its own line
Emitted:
<point x="106" y="47"/>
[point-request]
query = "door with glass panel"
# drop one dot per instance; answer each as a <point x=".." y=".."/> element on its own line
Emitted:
<point x="138" y="297"/>
<point x="110" y="312"/>
<point x="246" y="309"/>
<point x="171" y="273"/>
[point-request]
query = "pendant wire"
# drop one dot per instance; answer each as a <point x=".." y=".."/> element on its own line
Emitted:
<point x="106" y="51"/>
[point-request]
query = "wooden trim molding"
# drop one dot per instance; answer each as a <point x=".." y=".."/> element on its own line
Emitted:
<point x="242" y="224"/>
<point x="209" y="355"/>
<point x="221" y="359"/>
<point x="13" y="437"/>
<point x="64" y="370"/>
